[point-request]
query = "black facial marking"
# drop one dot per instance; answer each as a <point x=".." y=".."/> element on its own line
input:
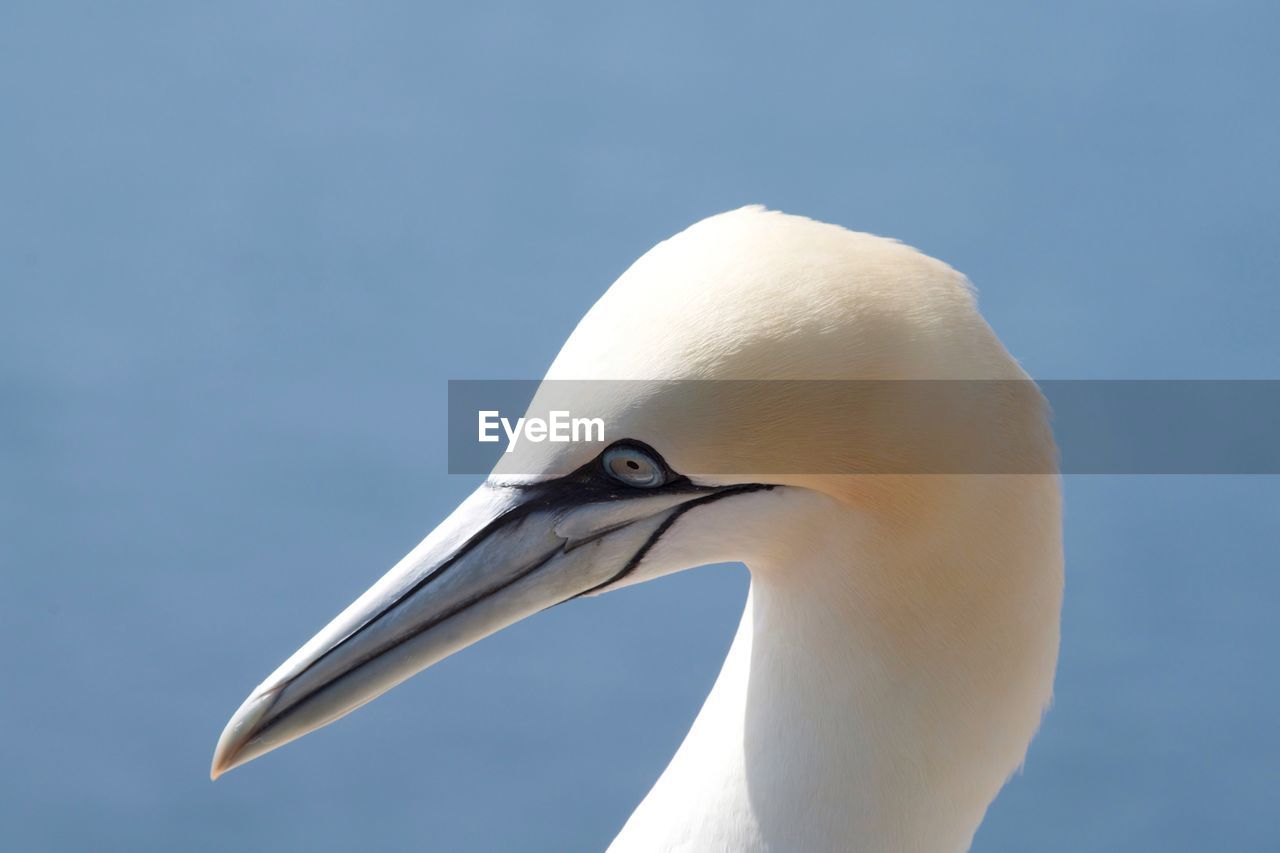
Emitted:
<point x="639" y="555"/>
<point x="589" y="483"/>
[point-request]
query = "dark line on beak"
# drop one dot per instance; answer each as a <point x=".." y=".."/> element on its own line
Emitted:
<point x="576" y="485"/>
<point x="671" y="519"/>
<point x="271" y="716"/>
<point x="508" y="516"/>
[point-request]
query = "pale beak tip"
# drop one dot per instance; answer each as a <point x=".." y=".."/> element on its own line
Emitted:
<point x="240" y="730"/>
<point x="223" y="760"/>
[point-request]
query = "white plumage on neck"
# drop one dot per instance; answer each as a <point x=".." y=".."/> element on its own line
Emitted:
<point x="898" y="646"/>
<point x="862" y="708"/>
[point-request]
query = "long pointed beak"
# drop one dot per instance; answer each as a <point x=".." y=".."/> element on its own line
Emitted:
<point x="505" y="553"/>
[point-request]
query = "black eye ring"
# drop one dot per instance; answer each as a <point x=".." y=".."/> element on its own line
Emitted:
<point x="634" y="466"/>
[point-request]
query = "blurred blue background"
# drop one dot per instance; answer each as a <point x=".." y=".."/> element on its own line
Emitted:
<point x="244" y="245"/>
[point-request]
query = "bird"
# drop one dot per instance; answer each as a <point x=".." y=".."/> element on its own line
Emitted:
<point x="897" y="648"/>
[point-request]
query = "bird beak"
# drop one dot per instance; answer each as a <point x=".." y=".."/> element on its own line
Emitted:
<point x="507" y="552"/>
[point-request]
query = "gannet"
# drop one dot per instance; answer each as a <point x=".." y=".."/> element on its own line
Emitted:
<point x="899" y="639"/>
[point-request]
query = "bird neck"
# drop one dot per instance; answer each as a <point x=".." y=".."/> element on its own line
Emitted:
<point x="881" y="686"/>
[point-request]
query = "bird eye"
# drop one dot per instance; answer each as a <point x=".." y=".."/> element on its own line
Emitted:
<point x="633" y="466"/>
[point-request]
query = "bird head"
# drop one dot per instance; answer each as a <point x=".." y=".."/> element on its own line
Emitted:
<point x="751" y="367"/>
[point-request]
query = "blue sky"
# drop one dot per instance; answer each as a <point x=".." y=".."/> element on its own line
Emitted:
<point x="244" y="246"/>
